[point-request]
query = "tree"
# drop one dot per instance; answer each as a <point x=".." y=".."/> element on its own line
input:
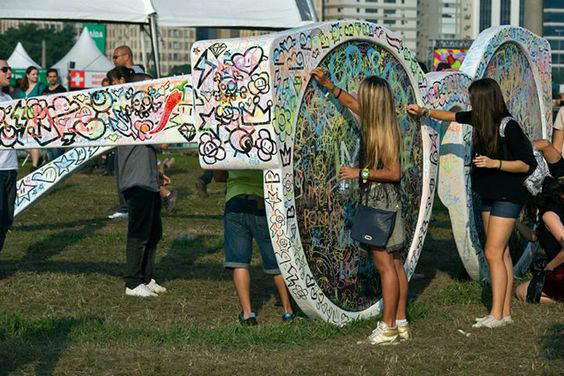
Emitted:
<point x="58" y="43"/>
<point x="178" y="70"/>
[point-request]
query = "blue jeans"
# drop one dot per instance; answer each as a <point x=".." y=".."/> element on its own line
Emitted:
<point x="239" y="231"/>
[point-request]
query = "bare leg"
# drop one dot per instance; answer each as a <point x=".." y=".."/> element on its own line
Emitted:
<point x="283" y="292"/>
<point x="401" y="313"/>
<point x="509" y="290"/>
<point x="546" y="300"/>
<point x="34" y="154"/>
<point x="498" y="231"/>
<point x="384" y="263"/>
<point x="242" y="281"/>
<point x="521" y="294"/>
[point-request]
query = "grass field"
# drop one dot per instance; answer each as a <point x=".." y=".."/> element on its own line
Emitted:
<point x="63" y="311"/>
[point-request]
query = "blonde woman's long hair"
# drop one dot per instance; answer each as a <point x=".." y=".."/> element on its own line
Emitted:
<point x="380" y="127"/>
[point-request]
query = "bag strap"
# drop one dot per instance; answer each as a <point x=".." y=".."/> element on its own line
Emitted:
<point x="365" y="187"/>
<point x="503" y="124"/>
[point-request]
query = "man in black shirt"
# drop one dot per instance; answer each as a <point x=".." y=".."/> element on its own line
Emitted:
<point x="53" y="79"/>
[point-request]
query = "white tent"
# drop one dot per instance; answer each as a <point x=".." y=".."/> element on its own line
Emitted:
<point x="19" y="59"/>
<point x="85" y="55"/>
<point x="270" y="14"/>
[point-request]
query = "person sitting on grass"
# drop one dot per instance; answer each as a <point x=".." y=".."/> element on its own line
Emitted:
<point x="547" y="286"/>
<point x="245" y="219"/>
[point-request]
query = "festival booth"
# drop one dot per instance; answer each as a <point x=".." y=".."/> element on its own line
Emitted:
<point x="84" y="66"/>
<point x="251" y="103"/>
<point x="19" y="61"/>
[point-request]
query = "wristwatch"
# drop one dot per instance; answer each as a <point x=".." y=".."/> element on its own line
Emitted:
<point x="364" y="174"/>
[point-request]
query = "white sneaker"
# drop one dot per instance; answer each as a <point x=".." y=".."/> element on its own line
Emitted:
<point x="141" y="290"/>
<point x="382" y="335"/>
<point x="118" y="215"/>
<point x="490" y="322"/>
<point x="507" y="319"/>
<point x="155" y="288"/>
<point x="482" y="318"/>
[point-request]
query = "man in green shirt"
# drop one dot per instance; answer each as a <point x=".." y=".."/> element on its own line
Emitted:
<point x="245" y="219"/>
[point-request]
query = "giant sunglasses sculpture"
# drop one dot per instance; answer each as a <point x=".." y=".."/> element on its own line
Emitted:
<point x="251" y="103"/>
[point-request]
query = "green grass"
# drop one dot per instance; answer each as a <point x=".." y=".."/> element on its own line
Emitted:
<point x="63" y="312"/>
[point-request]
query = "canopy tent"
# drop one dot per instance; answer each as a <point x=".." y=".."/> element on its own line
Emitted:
<point x="20" y="59"/>
<point x="270" y="14"/>
<point x="86" y="57"/>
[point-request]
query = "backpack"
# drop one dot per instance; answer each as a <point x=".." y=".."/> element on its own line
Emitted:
<point x="533" y="182"/>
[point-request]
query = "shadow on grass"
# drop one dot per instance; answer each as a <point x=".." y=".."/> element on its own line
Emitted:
<point x="60" y="225"/>
<point x="182" y="255"/>
<point x="177" y="263"/>
<point x="439" y="254"/>
<point x="553" y="343"/>
<point x="180" y="215"/>
<point x="40" y="342"/>
<point x="55" y="243"/>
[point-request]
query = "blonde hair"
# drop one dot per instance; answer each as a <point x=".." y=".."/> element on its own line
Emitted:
<point x="380" y="128"/>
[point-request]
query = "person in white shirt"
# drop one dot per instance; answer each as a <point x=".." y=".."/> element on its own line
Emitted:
<point x="8" y="167"/>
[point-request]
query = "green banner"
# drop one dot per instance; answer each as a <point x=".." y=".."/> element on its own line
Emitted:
<point x="98" y="33"/>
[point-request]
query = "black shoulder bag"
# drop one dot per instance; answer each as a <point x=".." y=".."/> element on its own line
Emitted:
<point x="372" y="226"/>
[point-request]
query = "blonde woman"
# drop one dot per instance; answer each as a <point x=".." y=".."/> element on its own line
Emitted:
<point x="380" y="174"/>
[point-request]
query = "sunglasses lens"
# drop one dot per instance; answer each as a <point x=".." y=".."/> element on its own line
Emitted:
<point x="6" y="69"/>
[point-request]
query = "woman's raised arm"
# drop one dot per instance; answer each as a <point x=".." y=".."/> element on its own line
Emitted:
<point x="320" y="74"/>
<point x="419" y="111"/>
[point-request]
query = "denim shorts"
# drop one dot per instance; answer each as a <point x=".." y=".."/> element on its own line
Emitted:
<point x="503" y="209"/>
<point x="239" y="231"/>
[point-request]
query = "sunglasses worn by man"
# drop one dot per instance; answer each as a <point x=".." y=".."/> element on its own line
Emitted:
<point x="6" y="69"/>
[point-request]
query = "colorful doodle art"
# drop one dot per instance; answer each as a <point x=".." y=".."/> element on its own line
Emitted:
<point x="449" y="91"/>
<point x="520" y="62"/>
<point x="254" y="106"/>
<point x="178" y="116"/>
<point x="454" y="57"/>
<point x="510" y="67"/>
<point x="307" y="128"/>
<point x="116" y="115"/>
<point x="38" y="183"/>
<point x="327" y="137"/>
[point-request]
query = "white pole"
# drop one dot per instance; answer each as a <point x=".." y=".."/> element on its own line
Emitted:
<point x="142" y="43"/>
<point x="515" y="11"/>
<point x="496" y="13"/>
<point x="314" y="16"/>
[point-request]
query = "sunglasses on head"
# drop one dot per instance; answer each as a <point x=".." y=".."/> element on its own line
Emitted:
<point x="5" y="69"/>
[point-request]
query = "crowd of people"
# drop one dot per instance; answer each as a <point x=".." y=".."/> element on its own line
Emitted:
<point x="503" y="160"/>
